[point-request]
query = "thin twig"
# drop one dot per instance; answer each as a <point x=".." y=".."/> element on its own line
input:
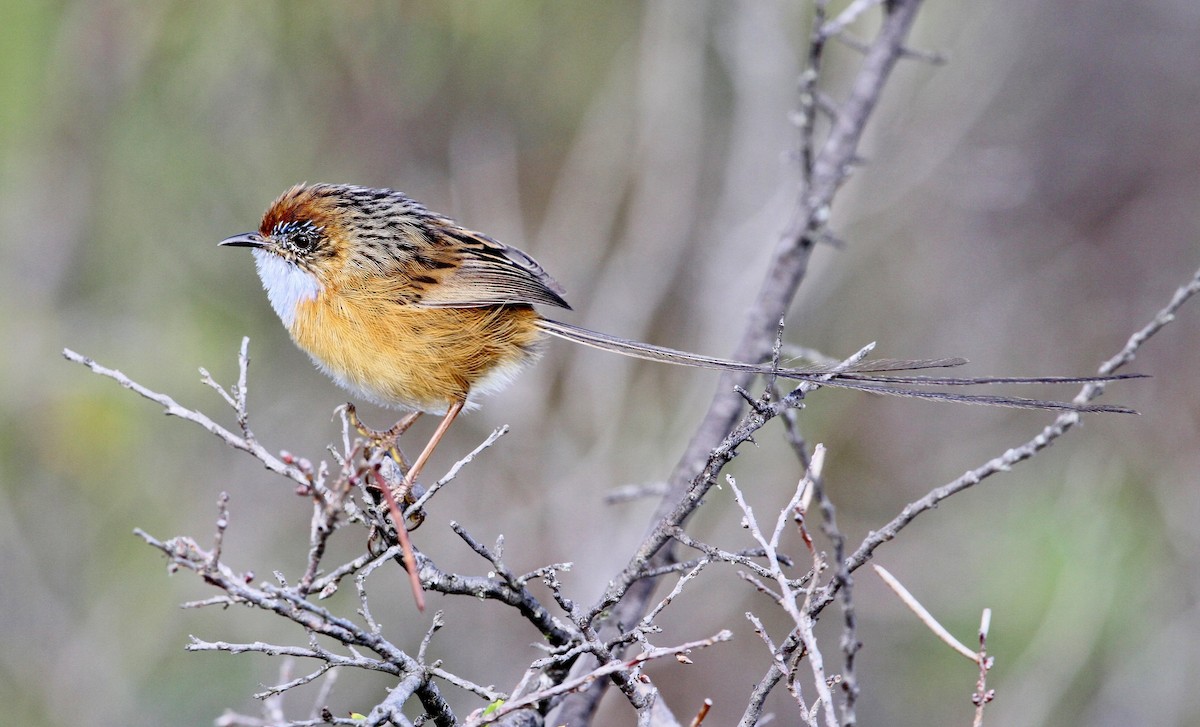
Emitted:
<point x="287" y="602"/>
<point x="710" y="447"/>
<point x="666" y="601"/>
<point x="923" y="614"/>
<point x="222" y="524"/>
<point x="435" y="625"/>
<point x="845" y="18"/>
<point x="1062" y="424"/>
<point x="603" y="670"/>
<point x="326" y="585"/>
<point x="638" y="692"/>
<point x="787" y="598"/>
<point x="360" y="585"/>
<point x="815" y="486"/>
<point x="983" y="695"/>
<point x="453" y="471"/>
<point x="487" y="693"/>
<point x="172" y="408"/>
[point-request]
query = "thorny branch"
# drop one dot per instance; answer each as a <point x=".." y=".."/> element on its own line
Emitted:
<point x="335" y="506"/>
<point x="564" y="681"/>
<point x="245" y="443"/>
<point x="715" y="440"/>
<point x="1062" y="424"/>
<point x="786" y="597"/>
<point x="607" y="669"/>
<point x="289" y="603"/>
<point x="984" y="662"/>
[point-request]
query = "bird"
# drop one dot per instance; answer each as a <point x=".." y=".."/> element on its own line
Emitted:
<point x="406" y="308"/>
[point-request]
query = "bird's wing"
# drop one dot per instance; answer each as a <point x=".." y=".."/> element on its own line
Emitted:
<point x="488" y="272"/>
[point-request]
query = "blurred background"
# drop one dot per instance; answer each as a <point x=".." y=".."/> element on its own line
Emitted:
<point x="1028" y="205"/>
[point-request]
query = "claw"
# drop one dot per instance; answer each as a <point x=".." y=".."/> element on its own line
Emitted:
<point x="386" y="441"/>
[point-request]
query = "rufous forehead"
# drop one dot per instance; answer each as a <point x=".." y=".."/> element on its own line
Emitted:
<point x="298" y="204"/>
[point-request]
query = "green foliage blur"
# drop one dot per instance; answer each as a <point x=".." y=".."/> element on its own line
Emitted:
<point x="1027" y="205"/>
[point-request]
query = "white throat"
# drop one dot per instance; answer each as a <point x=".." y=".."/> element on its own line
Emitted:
<point x="287" y="285"/>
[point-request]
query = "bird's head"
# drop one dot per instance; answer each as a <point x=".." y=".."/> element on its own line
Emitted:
<point x="304" y="229"/>
<point x="320" y="235"/>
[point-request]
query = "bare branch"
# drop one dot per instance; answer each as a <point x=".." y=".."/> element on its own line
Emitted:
<point x="486" y="692"/>
<point x="327" y="585"/>
<point x="222" y="524"/>
<point x="666" y="601"/>
<point x="603" y="670"/>
<point x="1062" y="424"/>
<point x="388" y="711"/>
<point x="847" y="17"/>
<point x="172" y="408"/>
<point x="313" y="651"/>
<point x="814" y="485"/>
<point x="983" y="695"/>
<point x="628" y="493"/>
<point x="1182" y="295"/>
<point x="742" y="558"/>
<point x="512" y="592"/>
<point x="787" y="598"/>
<point x="713" y="445"/>
<point x="1002" y="463"/>
<point x="453" y="471"/>
<point x="640" y="693"/>
<point x="360" y="585"/>
<point x="926" y="618"/>
<point x="290" y="604"/>
<point x="667" y="528"/>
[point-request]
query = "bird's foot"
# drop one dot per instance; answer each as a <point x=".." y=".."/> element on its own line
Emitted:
<point x="387" y="442"/>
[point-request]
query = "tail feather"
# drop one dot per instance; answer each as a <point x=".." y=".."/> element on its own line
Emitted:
<point x="863" y="376"/>
<point x="650" y="352"/>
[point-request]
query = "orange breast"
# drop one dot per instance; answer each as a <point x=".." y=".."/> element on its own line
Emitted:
<point x="409" y="356"/>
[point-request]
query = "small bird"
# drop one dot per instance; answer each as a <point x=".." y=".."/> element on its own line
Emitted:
<point x="405" y="308"/>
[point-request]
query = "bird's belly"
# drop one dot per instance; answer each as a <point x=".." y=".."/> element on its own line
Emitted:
<point x="414" y="357"/>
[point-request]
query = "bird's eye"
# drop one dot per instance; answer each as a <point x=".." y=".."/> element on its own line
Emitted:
<point x="301" y="235"/>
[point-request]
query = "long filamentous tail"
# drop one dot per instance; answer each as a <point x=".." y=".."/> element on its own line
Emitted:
<point x="869" y="375"/>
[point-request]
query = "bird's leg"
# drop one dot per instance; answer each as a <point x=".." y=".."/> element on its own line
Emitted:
<point x="405" y="493"/>
<point x="410" y="478"/>
<point x="388" y="440"/>
<point x="405" y="490"/>
<point x="401" y="426"/>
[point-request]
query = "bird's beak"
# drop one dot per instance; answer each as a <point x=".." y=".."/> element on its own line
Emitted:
<point x="246" y="239"/>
